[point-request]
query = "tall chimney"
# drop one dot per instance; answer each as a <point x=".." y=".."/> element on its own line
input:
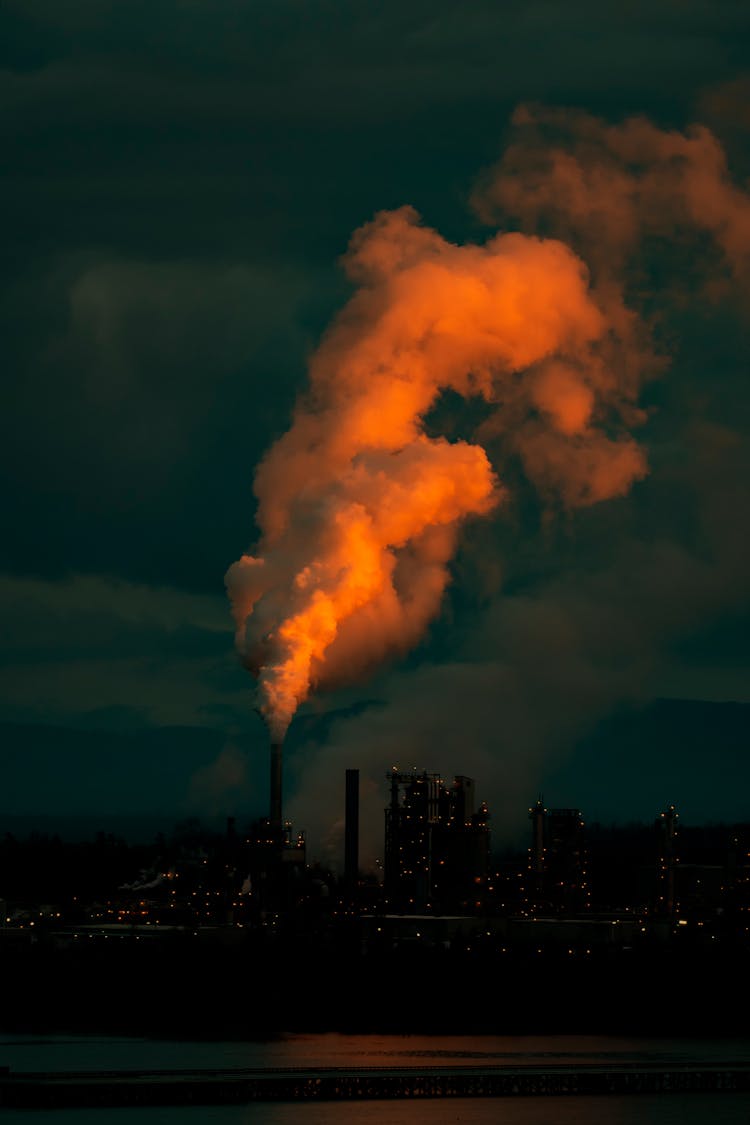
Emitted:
<point x="351" y="831"/>
<point x="275" y="802"/>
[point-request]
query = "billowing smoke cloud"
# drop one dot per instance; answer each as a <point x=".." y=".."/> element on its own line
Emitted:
<point x="358" y="507"/>
<point x="659" y="222"/>
<point x="611" y="189"/>
<point x="663" y="230"/>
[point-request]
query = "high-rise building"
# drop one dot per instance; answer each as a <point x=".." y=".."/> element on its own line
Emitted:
<point x="667" y="859"/>
<point x="436" y="845"/>
<point x="557" y="875"/>
<point x="351" y="834"/>
<point x="275" y="861"/>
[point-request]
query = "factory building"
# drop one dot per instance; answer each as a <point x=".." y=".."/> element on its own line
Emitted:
<point x="274" y="858"/>
<point x="557" y="876"/>
<point x="436" y="845"/>
<point x="667" y="835"/>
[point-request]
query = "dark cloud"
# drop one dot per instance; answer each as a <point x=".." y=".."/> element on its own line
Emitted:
<point x="179" y="182"/>
<point x="57" y="776"/>
<point x="90" y="644"/>
<point x="131" y="416"/>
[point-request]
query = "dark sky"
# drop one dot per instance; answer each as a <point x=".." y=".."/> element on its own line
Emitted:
<point x="179" y="180"/>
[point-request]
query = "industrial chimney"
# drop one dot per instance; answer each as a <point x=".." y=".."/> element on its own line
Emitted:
<point x="351" y="832"/>
<point x="274" y="814"/>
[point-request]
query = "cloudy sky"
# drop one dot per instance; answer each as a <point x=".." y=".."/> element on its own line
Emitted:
<point x="180" y="182"/>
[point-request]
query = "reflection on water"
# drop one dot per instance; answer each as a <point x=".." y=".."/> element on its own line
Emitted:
<point x="28" y="1052"/>
<point x="87" y="1053"/>
<point x="667" y="1109"/>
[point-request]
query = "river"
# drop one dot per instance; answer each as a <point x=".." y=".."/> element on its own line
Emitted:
<point x="69" y="1053"/>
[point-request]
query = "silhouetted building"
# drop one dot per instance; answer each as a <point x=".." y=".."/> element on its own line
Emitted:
<point x="738" y="873"/>
<point x="557" y="877"/>
<point x="667" y="860"/>
<point x="351" y="833"/>
<point x="436" y="845"/>
<point x="275" y="786"/>
<point x="274" y="861"/>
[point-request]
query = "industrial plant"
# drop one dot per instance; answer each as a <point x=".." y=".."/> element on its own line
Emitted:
<point x="194" y="914"/>
<point x="575" y="885"/>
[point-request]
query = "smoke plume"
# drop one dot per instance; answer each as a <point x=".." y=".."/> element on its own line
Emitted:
<point x="359" y="509"/>
<point x="611" y="190"/>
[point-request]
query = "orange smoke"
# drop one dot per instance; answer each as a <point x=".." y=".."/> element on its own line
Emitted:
<point x="358" y="508"/>
<point x="608" y="188"/>
<point x="615" y="193"/>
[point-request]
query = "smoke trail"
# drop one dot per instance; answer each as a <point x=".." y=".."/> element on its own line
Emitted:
<point x="609" y="189"/>
<point x="359" y="510"/>
<point x="658" y="220"/>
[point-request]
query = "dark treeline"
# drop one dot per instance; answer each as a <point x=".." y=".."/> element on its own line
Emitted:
<point x="42" y="867"/>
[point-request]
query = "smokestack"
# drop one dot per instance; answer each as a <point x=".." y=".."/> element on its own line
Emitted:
<point x="351" y="831"/>
<point x="275" y="790"/>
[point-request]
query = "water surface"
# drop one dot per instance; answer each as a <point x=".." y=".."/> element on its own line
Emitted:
<point x="68" y="1053"/>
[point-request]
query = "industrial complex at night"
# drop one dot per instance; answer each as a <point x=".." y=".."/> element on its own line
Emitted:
<point x="573" y="930"/>
<point x="439" y="878"/>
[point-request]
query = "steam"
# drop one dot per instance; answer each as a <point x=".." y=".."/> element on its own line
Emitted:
<point x="610" y="189"/>
<point x="359" y="509"/>
<point x="627" y="198"/>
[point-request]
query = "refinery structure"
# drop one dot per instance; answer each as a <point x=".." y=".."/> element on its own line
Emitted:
<point x="574" y="887"/>
<point x="437" y="847"/>
<point x="438" y="874"/>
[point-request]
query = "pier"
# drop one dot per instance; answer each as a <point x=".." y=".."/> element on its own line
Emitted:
<point x="55" y="1090"/>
